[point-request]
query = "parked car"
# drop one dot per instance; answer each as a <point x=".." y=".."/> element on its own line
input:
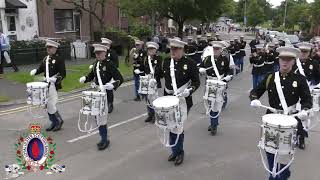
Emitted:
<point x="294" y="39"/>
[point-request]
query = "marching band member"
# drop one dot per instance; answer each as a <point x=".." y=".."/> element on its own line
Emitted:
<point x="242" y="54"/>
<point x="185" y="72"/>
<point x="257" y="59"/>
<point x="54" y="70"/>
<point x="113" y="57"/>
<point x="253" y="43"/>
<point x="108" y="78"/>
<point x="222" y="67"/>
<point x="271" y="58"/>
<point x="294" y="87"/>
<point x="309" y="67"/>
<point x="237" y="54"/>
<point x="138" y="57"/>
<point x="155" y="62"/>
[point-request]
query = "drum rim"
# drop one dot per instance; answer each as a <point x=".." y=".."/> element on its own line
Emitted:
<point x="39" y="84"/>
<point x="155" y="102"/>
<point x="266" y="121"/>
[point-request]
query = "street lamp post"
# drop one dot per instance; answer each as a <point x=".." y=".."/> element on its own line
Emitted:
<point x="245" y="13"/>
<point x="285" y="14"/>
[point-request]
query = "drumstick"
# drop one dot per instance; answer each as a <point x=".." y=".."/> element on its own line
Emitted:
<point x="270" y="108"/>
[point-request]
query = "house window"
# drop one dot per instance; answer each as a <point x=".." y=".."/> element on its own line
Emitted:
<point x="64" y="20"/>
<point x="11" y="23"/>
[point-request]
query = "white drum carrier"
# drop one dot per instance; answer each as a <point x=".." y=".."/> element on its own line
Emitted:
<point x="278" y="137"/>
<point x="145" y="85"/>
<point x="37" y="93"/>
<point x="170" y="114"/>
<point x="214" y="95"/>
<point x="93" y="104"/>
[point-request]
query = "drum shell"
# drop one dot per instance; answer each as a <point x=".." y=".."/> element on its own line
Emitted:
<point x="37" y="93"/>
<point x="93" y="103"/>
<point x="278" y="138"/>
<point x="214" y="90"/>
<point x="145" y="87"/>
<point x="316" y="99"/>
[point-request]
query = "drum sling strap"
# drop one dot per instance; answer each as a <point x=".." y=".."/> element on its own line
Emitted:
<point x="176" y="91"/>
<point x="150" y="66"/>
<point x="300" y="67"/>
<point x="47" y="68"/>
<point x="213" y="62"/>
<point x="99" y="76"/>
<point x="280" y="93"/>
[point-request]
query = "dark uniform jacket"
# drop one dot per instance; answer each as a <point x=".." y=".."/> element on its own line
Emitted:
<point x="156" y="62"/>
<point x="191" y="52"/>
<point x="185" y="70"/>
<point x="295" y="87"/>
<point x="270" y="61"/>
<point x="57" y="68"/>
<point x="107" y="71"/>
<point x="113" y="57"/>
<point x="138" y="63"/>
<point x="253" y="44"/>
<point x="242" y="46"/>
<point x="232" y="50"/>
<point x="258" y="64"/>
<point x="222" y="63"/>
<point x="311" y="69"/>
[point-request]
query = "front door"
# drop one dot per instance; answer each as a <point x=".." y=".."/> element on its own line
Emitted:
<point x="12" y="27"/>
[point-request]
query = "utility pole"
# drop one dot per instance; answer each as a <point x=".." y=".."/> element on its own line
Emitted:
<point x="285" y="14"/>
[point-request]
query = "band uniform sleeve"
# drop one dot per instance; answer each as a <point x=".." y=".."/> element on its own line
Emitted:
<point x="158" y="71"/>
<point x="114" y="58"/>
<point x="91" y="75"/>
<point x="305" y="96"/>
<point x="116" y="75"/>
<point x="42" y="66"/>
<point x="257" y="92"/>
<point x="194" y="76"/>
<point x="316" y="71"/>
<point x="61" y="70"/>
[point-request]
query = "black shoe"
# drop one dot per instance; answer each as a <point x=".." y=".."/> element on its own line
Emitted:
<point x="179" y="159"/>
<point x="149" y="119"/>
<point x="110" y="108"/>
<point x="137" y="98"/>
<point x="58" y="127"/>
<point x="213" y="131"/>
<point x="103" y="145"/>
<point x="50" y="128"/>
<point x="171" y="158"/>
<point x="209" y="128"/>
<point x="301" y="143"/>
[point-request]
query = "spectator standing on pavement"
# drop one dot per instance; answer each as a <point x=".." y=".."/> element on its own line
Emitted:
<point x="5" y="49"/>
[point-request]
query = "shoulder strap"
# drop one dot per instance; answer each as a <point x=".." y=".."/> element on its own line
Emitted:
<point x="268" y="80"/>
<point x="280" y="93"/>
<point x="300" y="67"/>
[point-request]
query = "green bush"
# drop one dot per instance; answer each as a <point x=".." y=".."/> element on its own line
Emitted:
<point x="140" y="30"/>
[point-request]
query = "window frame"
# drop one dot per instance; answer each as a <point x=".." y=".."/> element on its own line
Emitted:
<point x="74" y="12"/>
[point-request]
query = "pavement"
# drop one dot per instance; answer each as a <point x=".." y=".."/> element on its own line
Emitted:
<point x="135" y="152"/>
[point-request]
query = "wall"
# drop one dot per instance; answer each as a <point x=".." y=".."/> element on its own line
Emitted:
<point x="27" y="21"/>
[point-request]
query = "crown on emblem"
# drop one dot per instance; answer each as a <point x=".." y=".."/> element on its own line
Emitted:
<point x="35" y="128"/>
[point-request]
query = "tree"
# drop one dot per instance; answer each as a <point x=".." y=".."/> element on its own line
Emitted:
<point x="178" y="10"/>
<point x="255" y="13"/>
<point x="91" y="8"/>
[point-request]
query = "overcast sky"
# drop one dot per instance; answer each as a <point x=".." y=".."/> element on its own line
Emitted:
<point x="278" y="2"/>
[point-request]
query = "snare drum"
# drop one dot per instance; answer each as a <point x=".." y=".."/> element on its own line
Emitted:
<point x="278" y="133"/>
<point x="37" y="93"/>
<point x="145" y="87"/>
<point x="316" y="98"/>
<point x="214" y="89"/>
<point x="167" y="112"/>
<point x="93" y="103"/>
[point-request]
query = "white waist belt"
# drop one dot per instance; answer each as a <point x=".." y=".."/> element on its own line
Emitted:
<point x="260" y="65"/>
<point x="268" y="62"/>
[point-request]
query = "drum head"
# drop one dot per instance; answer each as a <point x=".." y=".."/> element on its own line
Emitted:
<point x="212" y="81"/>
<point x="166" y="101"/>
<point x="279" y="120"/>
<point x="93" y="93"/>
<point x="37" y="84"/>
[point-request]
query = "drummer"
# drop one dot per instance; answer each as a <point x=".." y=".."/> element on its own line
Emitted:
<point x="156" y="62"/>
<point x="294" y="87"/>
<point x="222" y="65"/>
<point x="310" y="67"/>
<point x="54" y="73"/>
<point x="107" y="79"/>
<point x="187" y="81"/>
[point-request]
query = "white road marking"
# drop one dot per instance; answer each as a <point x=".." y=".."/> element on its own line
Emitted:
<point x="110" y="127"/>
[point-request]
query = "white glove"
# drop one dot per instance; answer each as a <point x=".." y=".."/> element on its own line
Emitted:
<point x="303" y="115"/>
<point x="137" y="71"/>
<point x="90" y="67"/>
<point x="227" y="78"/>
<point x="135" y="55"/>
<point x="108" y="86"/>
<point x="52" y="79"/>
<point x="82" y="79"/>
<point x="255" y="103"/>
<point x="33" y="72"/>
<point x="202" y="70"/>
<point x="153" y="82"/>
<point x="186" y="93"/>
